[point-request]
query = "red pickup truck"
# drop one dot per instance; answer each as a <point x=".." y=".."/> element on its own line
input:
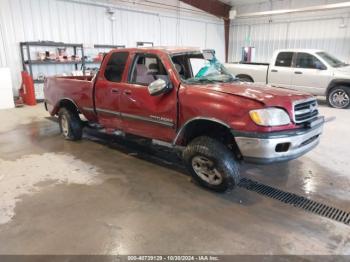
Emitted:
<point x="187" y="99"/>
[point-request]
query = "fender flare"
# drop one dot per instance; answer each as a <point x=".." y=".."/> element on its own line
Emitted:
<point x="245" y="75"/>
<point x="336" y="82"/>
<point x="57" y="106"/>
<point x="184" y="126"/>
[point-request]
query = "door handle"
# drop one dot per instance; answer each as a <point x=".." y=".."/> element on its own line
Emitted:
<point x="115" y="91"/>
<point x="127" y="92"/>
<point x="274" y="71"/>
<point x="298" y="73"/>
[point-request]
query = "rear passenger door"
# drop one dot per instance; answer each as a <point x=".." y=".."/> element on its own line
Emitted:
<point x="143" y="114"/>
<point x="280" y="74"/>
<point x="108" y="89"/>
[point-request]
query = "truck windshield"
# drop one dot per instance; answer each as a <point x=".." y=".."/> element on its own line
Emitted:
<point x="331" y="60"/>
<point x="196" y="69"/>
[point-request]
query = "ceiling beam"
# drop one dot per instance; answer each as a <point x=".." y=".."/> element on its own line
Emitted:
<point x="213" y="7"/>
<point x="218" y="9"/>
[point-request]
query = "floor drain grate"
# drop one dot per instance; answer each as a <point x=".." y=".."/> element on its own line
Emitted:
<point x="296" y="201"/>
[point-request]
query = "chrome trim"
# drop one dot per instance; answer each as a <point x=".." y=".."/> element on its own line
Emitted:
<point x="110" y="112"/>
<point x="181" y="130"/>
<point x="88" y="109"/>
<point x="265" y="148"/>
<point x="304" y="100"/>
<point x="295" y="103"/>
<point x="300" y="112"/>
<point x="148" y="119"/>
<point x="134" y="117"/>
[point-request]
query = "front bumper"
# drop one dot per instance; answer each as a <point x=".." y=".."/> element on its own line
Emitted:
<point x="278" y="146"/>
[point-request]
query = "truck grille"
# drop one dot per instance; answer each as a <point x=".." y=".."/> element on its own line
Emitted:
<point x="305" y="110"/>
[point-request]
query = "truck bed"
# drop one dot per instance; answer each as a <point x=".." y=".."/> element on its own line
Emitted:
<point x="256" y="71"/>
<point x="77" y="89"/>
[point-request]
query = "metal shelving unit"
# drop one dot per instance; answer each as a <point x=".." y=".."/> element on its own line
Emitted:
<point x="28" y="62"/>
<point x="104" y="47"/>
<point x="109" y="46"/>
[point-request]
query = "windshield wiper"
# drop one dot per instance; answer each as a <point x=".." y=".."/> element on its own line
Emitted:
<point x="201" y="80"/>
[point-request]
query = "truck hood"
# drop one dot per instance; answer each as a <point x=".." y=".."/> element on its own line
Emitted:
<point x="269" y="96"/>
<point x="343" y="70"/>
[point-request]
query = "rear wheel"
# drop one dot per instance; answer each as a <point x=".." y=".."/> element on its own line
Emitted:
<point x="339" y="97"/>
<point x="70" y="124"/>
<point x="212" y="164"/>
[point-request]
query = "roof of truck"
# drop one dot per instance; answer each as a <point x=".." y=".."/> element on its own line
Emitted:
<point x="166" y="49"/>
<point x="300" y="50"/>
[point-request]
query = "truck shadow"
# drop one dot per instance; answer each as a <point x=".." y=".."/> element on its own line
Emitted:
<point x="139" y="148"/>
<point x="165" y="157"/>
<point x="295" y="176"/>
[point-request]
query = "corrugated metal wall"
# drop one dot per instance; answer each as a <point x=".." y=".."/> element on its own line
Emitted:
<point x="321" y="30"/>
<point x="74" y="22"/>
<point x="2" y="49"/>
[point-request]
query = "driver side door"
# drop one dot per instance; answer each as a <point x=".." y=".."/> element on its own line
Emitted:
<point x="310" y="74"/>
<point x="142" y="114"/>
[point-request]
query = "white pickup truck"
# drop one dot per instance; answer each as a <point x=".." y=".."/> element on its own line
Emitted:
<point x="312" y="71"/>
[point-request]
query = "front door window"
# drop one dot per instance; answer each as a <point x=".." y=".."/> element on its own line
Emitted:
<point x="146" y="69"/>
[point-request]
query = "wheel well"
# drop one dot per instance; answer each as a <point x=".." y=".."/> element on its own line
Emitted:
<point x="67" y="103"/>
<point x="337" y="83"/>
<point x="245" y="76"/>
<point x="211" y="129"/>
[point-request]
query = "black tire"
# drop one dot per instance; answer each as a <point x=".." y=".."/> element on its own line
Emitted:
<point x="338" y="93"/>
<point x="222" y="163"/>
<point x="73" y="129"/>
<point x="245" y="79"/>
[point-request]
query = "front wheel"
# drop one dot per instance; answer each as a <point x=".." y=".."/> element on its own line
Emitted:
<point x="339" y="97"/>
<point x="211" y="164"/>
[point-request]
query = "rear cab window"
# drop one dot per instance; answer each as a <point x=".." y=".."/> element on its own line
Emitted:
<point x="284" y="59"/>
<point x="115" y="66"/>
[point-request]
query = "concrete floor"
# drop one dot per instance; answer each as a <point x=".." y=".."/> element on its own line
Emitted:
<point x="90" y="197"/>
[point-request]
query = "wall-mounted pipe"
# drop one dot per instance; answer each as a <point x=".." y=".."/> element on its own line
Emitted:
<point x="296" y="10"/>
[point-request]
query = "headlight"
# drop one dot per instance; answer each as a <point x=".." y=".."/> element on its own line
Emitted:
<point x="270" y="117"/>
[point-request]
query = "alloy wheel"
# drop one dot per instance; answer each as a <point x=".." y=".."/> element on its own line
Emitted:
<point x="206" y="170"/>
<point x="339" y="98"/>
<point x="64" y="125"/>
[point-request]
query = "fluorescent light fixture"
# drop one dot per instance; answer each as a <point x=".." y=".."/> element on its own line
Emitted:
<point x="296" y="10"/>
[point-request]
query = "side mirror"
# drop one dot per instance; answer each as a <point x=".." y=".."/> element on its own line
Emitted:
<point x="158" y="87"/>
